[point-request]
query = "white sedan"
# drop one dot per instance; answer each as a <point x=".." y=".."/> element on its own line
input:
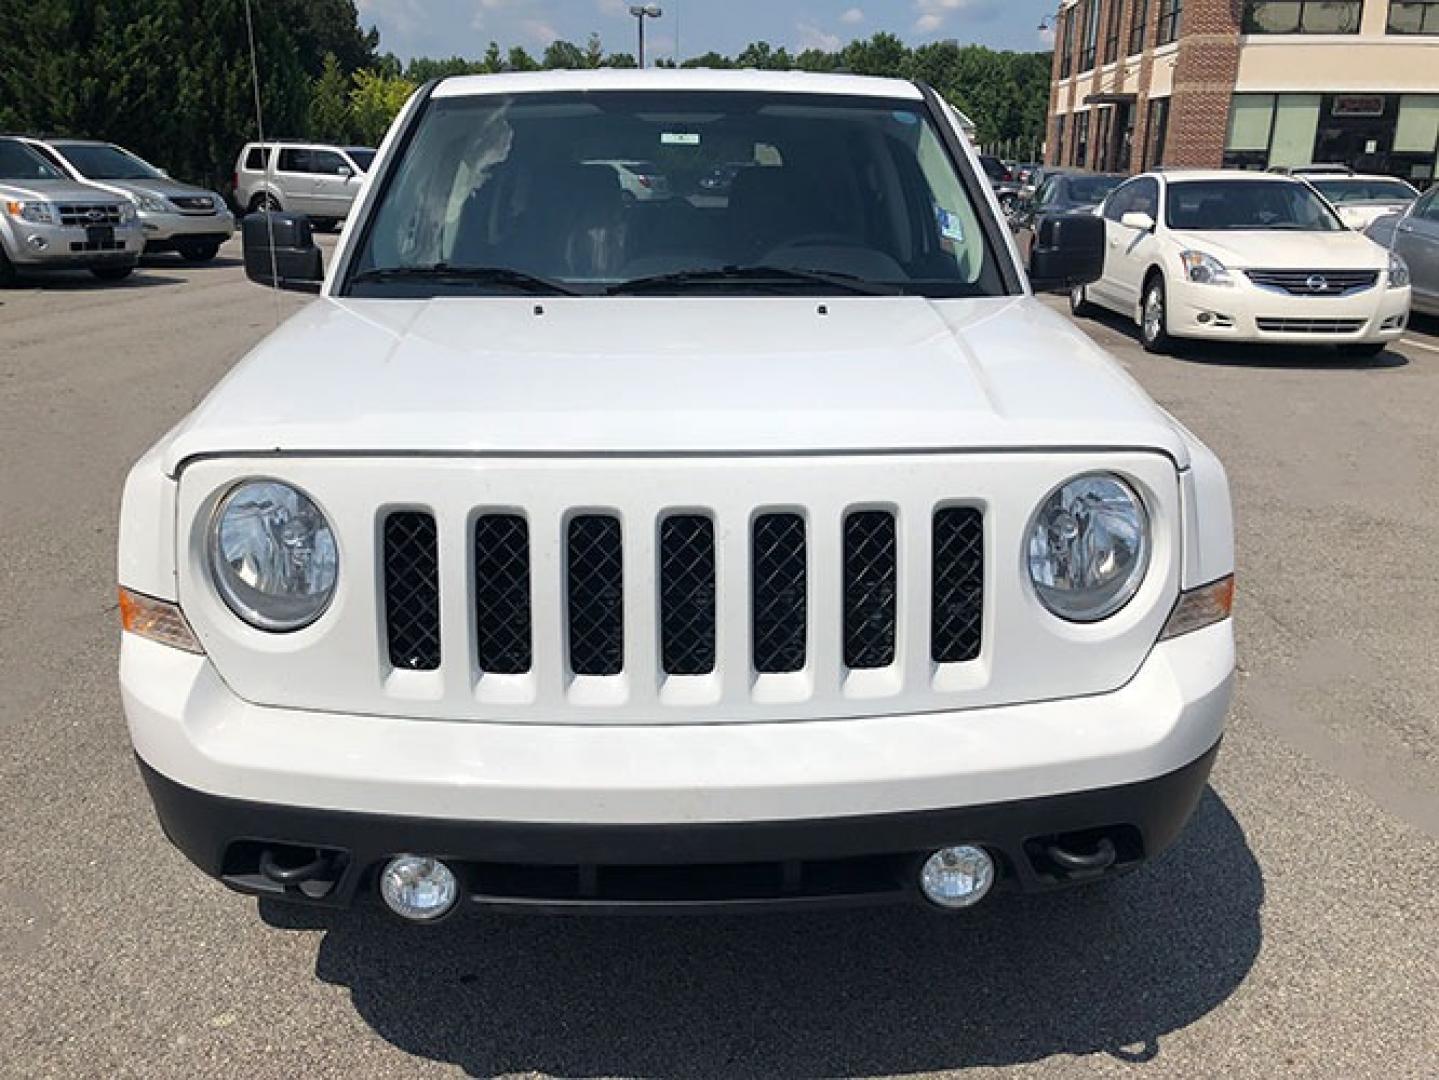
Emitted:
<point x="1241" y="256"/>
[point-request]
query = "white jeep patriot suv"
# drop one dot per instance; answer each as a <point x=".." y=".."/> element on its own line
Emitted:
<point x="773" y="546"/>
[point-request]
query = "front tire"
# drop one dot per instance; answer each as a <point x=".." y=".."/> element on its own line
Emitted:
<point x="264" y="203"/>
<point x="8" y="274"/>
<point x="112" y="273"/>
<point x="1154" y="317"/>
<point x="1079" y="305"/>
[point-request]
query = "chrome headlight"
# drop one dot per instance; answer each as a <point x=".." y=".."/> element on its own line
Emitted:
<point x="273" y="556"/>
<point x="151" y="204"/>
<point x="37" y="213"/>
<point x="1088" y="547"/>
<point x="1398" y="272"/>
<point x="1204" y="269"/>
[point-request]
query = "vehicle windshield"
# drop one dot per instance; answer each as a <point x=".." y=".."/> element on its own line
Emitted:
<point x="614" y="191"/>
<point x="361" y="156"/>
<point x="97" y="162"/>
<point x="1212" y="205"/>
<point x="1358" y="191"/>
<point x="1091" y="190"/>
<point x="19" y="162"/>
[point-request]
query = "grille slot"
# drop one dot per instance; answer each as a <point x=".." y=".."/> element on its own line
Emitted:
<point x="412" y="591"/>
<point x="957" y="596"/>
<point x="779" y="611"/>
<point x="687" y="595"/>
<point x="1309" y="326"/>
<point x="1331" y="282"/>
<point x="595" y="565"/>
<point x="84" y="214"/>
<point x="870" y="580"/>
<point x="502" y="594"/>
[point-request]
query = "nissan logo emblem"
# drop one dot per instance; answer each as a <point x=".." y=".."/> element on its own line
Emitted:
<point x="1316" y="283"/>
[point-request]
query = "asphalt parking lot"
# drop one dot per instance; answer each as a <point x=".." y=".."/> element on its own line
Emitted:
<point x="1293" y="931"/>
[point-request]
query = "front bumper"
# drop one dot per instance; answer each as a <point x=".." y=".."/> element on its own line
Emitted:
<point x="528" y="794"/>
<point x="1247" y="312"/>
<point x="162" y="230"/>
<point x="58" y="247"/>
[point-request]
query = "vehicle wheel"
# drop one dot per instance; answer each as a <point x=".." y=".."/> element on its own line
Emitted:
<point x="1367" y="348"/>
<point x="1154" y="317"/>
<point x="198" y="252"/>
<point x="8" y="276"/>
<point x="265" y="203"/>
<point x="1079" y="305"/>
<point x="112" y="273"/>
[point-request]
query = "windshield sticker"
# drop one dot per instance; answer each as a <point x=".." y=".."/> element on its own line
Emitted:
<point x="950" y="227"/>
<point x="904" y="116"/>
<point x="679" y="138"/>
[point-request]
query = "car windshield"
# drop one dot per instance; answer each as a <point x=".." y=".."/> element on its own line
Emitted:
<point x="1351" y="191"/>
<point x="96" y="162"/>
<point x="1210" y="205"/>
<point x="19" y="162"/>
<point x="362" y="157"/>
<point x="832" y="194"/>
<point x="1091" y="190"/>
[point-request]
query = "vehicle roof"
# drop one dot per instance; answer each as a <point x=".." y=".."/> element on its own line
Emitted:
<point x="1223" y="174"/>
<point x="1341" y="177"/>
<point x="677" y="79"/>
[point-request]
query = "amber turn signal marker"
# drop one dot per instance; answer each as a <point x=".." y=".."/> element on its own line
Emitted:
<point x="158" y="620"/>
<point x="1201" y="607"/>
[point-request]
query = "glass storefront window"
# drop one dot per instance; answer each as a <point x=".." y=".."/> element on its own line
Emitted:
<point x="1081" y="139"/>
<point x="1090" y="37"/>
<point x="1302" y="16"/>
<point x="1296" y="119"/>
<point x="1413" y="17"/>
<point x="1156" y="132"/>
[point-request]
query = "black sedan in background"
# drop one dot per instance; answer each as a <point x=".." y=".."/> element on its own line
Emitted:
<point x="1059" y="193"/>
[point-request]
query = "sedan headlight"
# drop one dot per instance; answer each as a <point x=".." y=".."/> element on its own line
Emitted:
<point x="273" y="556"/>
<point x="1398" y="272"/>
<point x="37" y="213"/>
<point x="1088" y="547"/>
<point x="151" y="204"/>
<point x="1204" y="269"/>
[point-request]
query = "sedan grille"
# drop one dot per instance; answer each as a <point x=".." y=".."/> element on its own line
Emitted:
<point x="1309" y="326"/>
<point x="1315" y="282"/>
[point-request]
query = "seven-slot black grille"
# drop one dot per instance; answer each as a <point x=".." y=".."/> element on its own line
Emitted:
<point x="957" y="589"/>
<point x="870" y="581"/>
<point x="502" y="594"/>
<point x="412" y="591"/>
<point x="687" y="595"/>
<point x="1314" y="282"/>
<point x="778" y="591"/>
<point x="686" y="591"/>
<point x="594" y="559"/>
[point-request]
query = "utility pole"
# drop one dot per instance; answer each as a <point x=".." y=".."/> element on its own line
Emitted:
<point x="641" y="12"/>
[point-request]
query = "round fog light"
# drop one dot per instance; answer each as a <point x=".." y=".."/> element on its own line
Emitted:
<point x="419" y="888"/>
<point x="956" y="877"/>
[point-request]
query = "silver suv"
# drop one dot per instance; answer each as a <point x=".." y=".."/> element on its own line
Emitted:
<point x="175" y="216"/>
<point x="51" y="222"/>
<point x="315" y="179"/>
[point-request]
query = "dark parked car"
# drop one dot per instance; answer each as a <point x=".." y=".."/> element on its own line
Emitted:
<point x="1059" y="193"/>
<point x="1006" y="187"/>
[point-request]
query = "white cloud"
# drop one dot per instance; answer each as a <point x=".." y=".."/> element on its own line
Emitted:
<point x="852" y="16"/>
<point x="539" y="31"/>
<point x="934" y="13"/>
<point x="812" y="37"/>
<point x="613" y="8"/>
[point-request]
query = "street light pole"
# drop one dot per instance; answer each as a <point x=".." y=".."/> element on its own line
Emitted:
<point x="641" y="12"/>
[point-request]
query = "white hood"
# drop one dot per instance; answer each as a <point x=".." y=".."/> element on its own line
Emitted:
<point x="673" y="375"/>
<point x="1279" y="249"/>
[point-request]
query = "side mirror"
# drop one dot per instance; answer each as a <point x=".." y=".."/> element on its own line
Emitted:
<point x="1137" y="219"/>
<point x="280" y="252"/>
<point x="345" y="171"/>
<point x="1068" y="250"/>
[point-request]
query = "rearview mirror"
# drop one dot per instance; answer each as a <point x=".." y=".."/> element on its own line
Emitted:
<point x="280" y="252"/>
<point x="1068" y="250"/>
<point x="1137" y="219"/>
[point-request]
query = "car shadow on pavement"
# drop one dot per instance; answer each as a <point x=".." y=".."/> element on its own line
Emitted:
<point x="1255" y="354"/>
<point x="165" y="260"/>
<point x="1108" y="970"/>
<point x="81" y="281"/>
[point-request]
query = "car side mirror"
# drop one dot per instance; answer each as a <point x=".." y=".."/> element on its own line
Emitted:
<point x="1137" y="219"/>
<point x="345" y="171"/>
<point x="1068" y="250"/>
<point x="280" y="252"/>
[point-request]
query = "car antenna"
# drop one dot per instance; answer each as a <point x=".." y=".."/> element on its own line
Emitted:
<point x="260" y="130"/>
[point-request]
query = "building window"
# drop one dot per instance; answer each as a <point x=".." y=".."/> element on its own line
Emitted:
<point x="1170" y="12"/>
<point x="1137" y="28"/>
<point x="1155" y="133"/>
<point x="1066" y="52"/>
<point x="1303" y="16"/>
<point x="1081" y="140"/>
<point x="1413" y="17"/>
<point x="1111" y="32"/>
<point x="1058" y="156"/>
<point x="1091" y="35"/>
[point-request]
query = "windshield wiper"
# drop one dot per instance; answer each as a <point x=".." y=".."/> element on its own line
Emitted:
<point x="756" y="275"/>
<point x="443" y="273"/>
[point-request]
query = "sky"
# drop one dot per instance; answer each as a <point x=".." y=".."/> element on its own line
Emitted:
<point x="443" y="28"/>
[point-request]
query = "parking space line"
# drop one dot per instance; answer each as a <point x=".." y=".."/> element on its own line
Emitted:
<point x="1419" y="344"/>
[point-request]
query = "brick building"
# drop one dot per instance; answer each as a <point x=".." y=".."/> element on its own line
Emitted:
<point x="1246" y="83"/>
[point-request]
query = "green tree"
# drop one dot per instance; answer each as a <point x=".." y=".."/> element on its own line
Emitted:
<point x="330" y="103"/>
<point x="563" y="55"/>
<point x="374" y="102"/>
